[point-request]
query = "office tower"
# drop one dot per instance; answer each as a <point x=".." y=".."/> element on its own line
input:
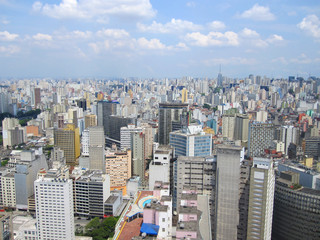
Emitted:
<point x="6" y="226"/>
<point x="244" y="198"/>
<point x="241" y="128"/>
<point x="147" y="130"/>
<point x="96" y="148"/>
<point x="54" y="208"/>
<point x="312" y="147"/>
<point x="104" y="111"/>
<point x="116" y="123"/>
<point x="260" y="138"/>
<point x="288" y="134"/>
<point x="138" y="157"/>
<point x="169" y="120"/>
<point x="261" y="199"/>
<point x="92" y="189"/>
<point x="159" y="167"/>
<point x="27" y="167"/>
<point x="68" y="139"/>
<point x="184" y="95"/>
<point x="220" y="79"/>
<point x="73" y="116"/>
<point x="204" y="86"/>
<point x="227" y="191"/>
<point x="228" y="126"/>
<point x="82" y="103"/>
<point x="195" y="173"/>
<point x="296" y="212"/>
<point x="125" y="135"/>
<point x="85" y="143"/>
<point x="90" y="120"/>
<point x="118" y="167"/>
<point x="37" y="97"/>
<point x="191" y="141"/>
<point x="12" y="132"/>
<point x="4" y="102"/>
<point x="8" y="190"/>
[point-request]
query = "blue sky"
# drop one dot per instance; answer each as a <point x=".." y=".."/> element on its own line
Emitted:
<point x="159" y="38"/>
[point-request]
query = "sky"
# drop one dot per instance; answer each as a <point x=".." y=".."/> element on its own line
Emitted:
<point x="159" y="38"/>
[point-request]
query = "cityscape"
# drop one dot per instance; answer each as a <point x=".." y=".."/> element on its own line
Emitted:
<point x="129" y="120"/>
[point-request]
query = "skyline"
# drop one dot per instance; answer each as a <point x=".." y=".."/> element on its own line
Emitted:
<point x="142" y="38"/>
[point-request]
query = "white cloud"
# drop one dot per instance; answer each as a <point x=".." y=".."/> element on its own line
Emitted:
<point x="88" y="9"/>
<point x="152" y="44"/>
<point x="274" y="39"/>
<point x="6" y="36"/>
<point x="175" y="25"/>
<point x="230" y="61"/>
<point x="9" y="49"/>
<point x="246" y="32"/>
<point x="311" y="24"/>
<point x="113" y="33"/>
<point x="282" y="60"/>
<point x="258" y="13"/>
<point x="42" y="37"/>
<point x="213" y="39"/>
<point x="216" y="25"/>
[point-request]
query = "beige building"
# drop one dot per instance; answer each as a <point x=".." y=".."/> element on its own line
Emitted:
<point x="8" y="190"/>
<point x="118" y="167"/>
<point x="90" y="120"/>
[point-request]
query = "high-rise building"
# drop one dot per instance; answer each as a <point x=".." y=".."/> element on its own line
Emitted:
<point x="260" y="138"/>
<point x="288" y="134"/>
<point x="169" y="120"/>
<point x="116" y="123"/>
<point x="92" y="189"/>
<point x="8" y="190"/>
<point x="125" y="135"/>
<point x="296" y="212"/>
<point x="90" y="120"/>
<point x="227" y="191"/>
<point x="85" y="142"/>
<point x="118" y="167"/>
<point x="138" y="157"/>
<point x="104" y="111"/>
<point x="241" y="128"/>
<point x="54" y="208"/>
<point x="191" y="141"/>
<point x="12" y="132"/>
<point x="37" y="97"/>
<point x="96" y="148"/>
<point x="68" y="139"/>
<point x="184" y="95"/>
<point x="195" y="173"/>
<point x="261" y="199"/>
<point x="228" y="126"/>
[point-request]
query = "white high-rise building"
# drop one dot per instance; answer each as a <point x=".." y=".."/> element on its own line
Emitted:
<point x="288" y="135"/>
<point x="54" y="208"/>
<point x="261" y="196"/>
<point x="125" y="135"/>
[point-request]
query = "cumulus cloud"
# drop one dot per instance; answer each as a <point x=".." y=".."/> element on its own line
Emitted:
<point x="216" y="25"/>
<point x="88" y="9"/>
<point x="113" y="33"/>
<point x="258" y="13"/>
<point x="42" y="37"/>
<point x="253" y="38"/>
<point x="191" y="4"/>
<point x="11" y="49"/>
<point x="246" y="32"/>
<point x="175" y="25"/>
<point x="213" y="39"/>
<point x="153" y="44"/>
<point x="311" y="24"/>
<point x="6" y="36"/>
<point x="275" y="39"/>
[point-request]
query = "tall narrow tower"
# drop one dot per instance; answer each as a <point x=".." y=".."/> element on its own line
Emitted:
<point x="261" y="199"/>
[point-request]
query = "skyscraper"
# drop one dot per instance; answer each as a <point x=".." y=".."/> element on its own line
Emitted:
<point x="68" y="139"/>
<point x="104" y="111"/>
<point x="96" y="148"/>
<point x="169" y="120"/>
<point x="184" y="95"/>
<point x="37" y="97"/>
<point x="227" y="191"/>
<point x="138" y="155"/>
<point x="191" y="141"/>
<point x="261" y="199"/>
<point x="260" y="137"/>
<point x="54" y="208"/>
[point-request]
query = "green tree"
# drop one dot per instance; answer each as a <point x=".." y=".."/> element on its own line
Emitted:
<point x="206" y="105"/>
